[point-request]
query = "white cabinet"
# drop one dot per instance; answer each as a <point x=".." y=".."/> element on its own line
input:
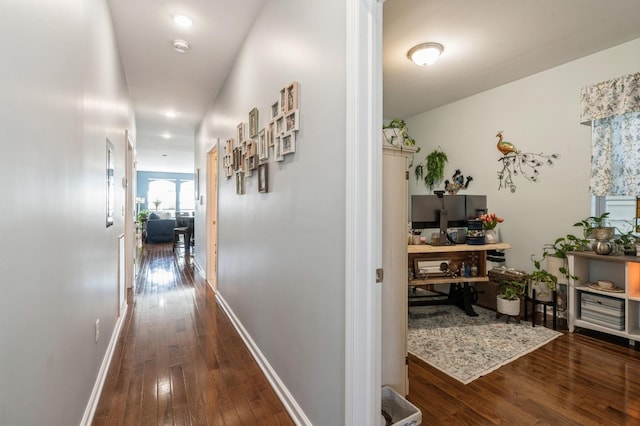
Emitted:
<point x="612" y="312"/>
<point x="394" y="262"/>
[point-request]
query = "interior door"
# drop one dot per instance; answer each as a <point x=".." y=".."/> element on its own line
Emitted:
<point x="212" y="216"/>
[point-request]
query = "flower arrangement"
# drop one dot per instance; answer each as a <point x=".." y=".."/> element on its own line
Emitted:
<point x="490" y="220"/>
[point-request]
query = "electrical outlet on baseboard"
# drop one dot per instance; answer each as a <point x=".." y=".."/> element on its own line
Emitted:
<point x="97" y="330"/>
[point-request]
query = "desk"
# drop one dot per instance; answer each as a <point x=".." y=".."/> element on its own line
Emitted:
<point x="455" y="255"/>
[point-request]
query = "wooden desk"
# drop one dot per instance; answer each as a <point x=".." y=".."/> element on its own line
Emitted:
<point x="459" y="292"/>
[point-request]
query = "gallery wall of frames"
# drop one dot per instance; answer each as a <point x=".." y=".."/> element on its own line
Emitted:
<point x="249" y="151"/>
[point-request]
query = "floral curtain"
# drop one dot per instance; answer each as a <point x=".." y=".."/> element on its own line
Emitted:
<point x="613" y="110"/>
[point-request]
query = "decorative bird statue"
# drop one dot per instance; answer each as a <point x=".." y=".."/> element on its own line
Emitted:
<point x="503" y="146"/>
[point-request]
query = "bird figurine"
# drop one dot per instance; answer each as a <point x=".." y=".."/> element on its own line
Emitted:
<point x="457" y="183"/>
<point x="503" y="146"/>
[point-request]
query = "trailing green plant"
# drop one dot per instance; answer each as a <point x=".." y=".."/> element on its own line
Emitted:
<point x="433" y="169"/>
<point x="563" y="245"/>
<point x="543" y="276"/>
<point x="399" y="124"/>
<point x="512" y="290"/>
<point x="626" y="242"/>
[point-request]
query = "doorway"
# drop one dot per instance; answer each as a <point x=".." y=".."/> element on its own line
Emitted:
<point x="212" y="216"/>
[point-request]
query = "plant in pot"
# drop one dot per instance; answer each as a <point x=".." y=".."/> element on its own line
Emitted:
<point x="597" y="227"/>
<point x="542" y="282"/>
<point x="508" y="299"/>
<point x="555" y="255"/>
<point x="396" y="133"/>
<point x="626" y="243"/>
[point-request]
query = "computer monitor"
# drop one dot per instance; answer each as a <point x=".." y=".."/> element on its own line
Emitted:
<point x="425" y="210"/>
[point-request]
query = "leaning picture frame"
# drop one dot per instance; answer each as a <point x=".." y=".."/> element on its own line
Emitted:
<point x="288" y="143"/>
<point x="253" y="123"/>
<point x="263" y="177"/>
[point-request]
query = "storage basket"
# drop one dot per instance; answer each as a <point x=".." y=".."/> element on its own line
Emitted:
<point x="500" y="275"/>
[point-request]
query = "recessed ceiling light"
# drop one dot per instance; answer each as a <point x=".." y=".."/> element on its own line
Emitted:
<point x="166" y="135"/>
<point x="182" y="21"/>
<point x="425" y="54"/>
<point x="170" y="114"/>
<point x="181" y="46"/>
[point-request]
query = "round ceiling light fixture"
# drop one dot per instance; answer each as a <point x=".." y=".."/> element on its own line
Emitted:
<point x="181" y="46"/>
<point x="183" y="21"/>
<point x="425" y="54"/>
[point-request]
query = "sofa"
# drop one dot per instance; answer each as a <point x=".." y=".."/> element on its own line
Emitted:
<point x="159" y="229"/>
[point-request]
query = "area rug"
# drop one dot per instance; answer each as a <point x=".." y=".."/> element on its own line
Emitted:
<point x="467" y="348"/>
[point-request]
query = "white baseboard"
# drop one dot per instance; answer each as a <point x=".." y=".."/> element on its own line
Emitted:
<point x="281" y="390"/>
<point x="92" y="405"/>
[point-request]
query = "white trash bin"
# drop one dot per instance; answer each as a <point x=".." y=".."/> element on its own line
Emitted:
<point x="398" y="411"/>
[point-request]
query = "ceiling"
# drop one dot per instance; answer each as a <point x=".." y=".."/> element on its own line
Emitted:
<point x="487" y="43"/>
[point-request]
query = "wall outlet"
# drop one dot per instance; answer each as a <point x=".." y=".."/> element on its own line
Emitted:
<point x="97" y="330"/>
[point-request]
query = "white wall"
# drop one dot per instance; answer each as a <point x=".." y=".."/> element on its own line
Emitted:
<point x="63" y="93"/>
<point x="281" y="254"/>
<point x="538" y="114"/>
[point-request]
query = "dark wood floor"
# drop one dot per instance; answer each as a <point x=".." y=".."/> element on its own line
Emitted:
<point x="574" y="380"/>
<point x="179" y="361"/>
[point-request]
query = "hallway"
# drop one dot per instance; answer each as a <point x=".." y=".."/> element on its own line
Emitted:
<point x="179" y="361"/>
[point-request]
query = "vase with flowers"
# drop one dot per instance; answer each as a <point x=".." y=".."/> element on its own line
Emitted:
<point x="489" y="223"/>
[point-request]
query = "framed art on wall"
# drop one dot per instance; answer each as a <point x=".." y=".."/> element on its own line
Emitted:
<point x="291" y="122"/>
<point x="110" y="183"/>
<point x="288" y="143"/>
<point x="239" y="183"/>
<point x="253" y="123"/>
<point x="263" y="177"/>
<point x="292" y="97"/>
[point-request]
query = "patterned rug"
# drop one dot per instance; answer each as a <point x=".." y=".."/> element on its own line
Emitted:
<point x="467" y="347"/>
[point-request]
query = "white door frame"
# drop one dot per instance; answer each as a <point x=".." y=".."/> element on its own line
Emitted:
<point x="130" y="212"/>
<point x="363" y="212"/>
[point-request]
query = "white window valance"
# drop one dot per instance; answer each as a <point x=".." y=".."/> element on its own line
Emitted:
<point x="610" y="98"/>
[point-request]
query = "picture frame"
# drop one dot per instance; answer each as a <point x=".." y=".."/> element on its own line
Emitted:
<point x="263" y="177"/>
<point x="288" y="143"/>
<point x="291" y="122"/>
<point x="237" y="158"/>
<point x="423" y="264"/>
<point x="282" y="101"/>
<point x="263" y="147"/>
<point x="239" y="183"/>
<point x="277" y="148"/>
<point x="271" y="130"/>
<point x="110" y="188"/>
<point x="241" y="131"/>
<point x="275" y="109"/>
<point x="280" y="125"/>
<point x="253" y="123"/>
<point x="251" y="162"/>
<point x="291" y="97"/>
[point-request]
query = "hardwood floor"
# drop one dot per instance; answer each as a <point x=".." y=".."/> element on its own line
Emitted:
<point x="574" y="380"/>
<point x="179" y="361"/>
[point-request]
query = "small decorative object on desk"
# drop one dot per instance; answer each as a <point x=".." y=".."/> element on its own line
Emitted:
<point x="489" y="223"/>
<point x="475" y="232"/>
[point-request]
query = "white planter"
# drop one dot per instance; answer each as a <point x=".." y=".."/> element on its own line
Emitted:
<point x="491" y="236"/>
<point x="553" y="267"/>
<point x="393" y="137"/>
<point x="508" y="307"/>
<point x="543" y="293"/>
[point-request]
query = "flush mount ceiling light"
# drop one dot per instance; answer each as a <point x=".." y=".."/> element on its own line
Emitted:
<point x="182" y="21"/>
<point x="181" y="46"/>
<point x="425" y="54"/>
<point x="166" y="135"/>
<point x="170" y="114"/>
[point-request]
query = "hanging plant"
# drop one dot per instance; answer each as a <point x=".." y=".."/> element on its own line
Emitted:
<point x="434" y="168"/>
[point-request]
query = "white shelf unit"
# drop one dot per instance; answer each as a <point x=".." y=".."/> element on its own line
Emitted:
<point x="624" y="271"/>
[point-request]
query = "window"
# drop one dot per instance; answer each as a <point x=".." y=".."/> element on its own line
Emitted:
<point x="187" y="196"/>
<point x="622" y="211"/>
<point x="163" y="191"/>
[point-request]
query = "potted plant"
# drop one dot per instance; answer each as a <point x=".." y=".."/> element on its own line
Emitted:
<point x="157" y="203"/>
<point x="508" y="300"/>
<point x="555" y="255"/>
<point x="396" y="133"/>
<point x="596" y="227"/>
<point x="142" y="217"/>
<point x="542" y="281"/>
<point x="626" y="243"/>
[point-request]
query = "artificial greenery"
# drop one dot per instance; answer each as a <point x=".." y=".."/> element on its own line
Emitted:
<point x="434" y="168"/>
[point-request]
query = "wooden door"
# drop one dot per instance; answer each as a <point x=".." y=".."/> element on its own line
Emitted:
<point x="212" y="216"/>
